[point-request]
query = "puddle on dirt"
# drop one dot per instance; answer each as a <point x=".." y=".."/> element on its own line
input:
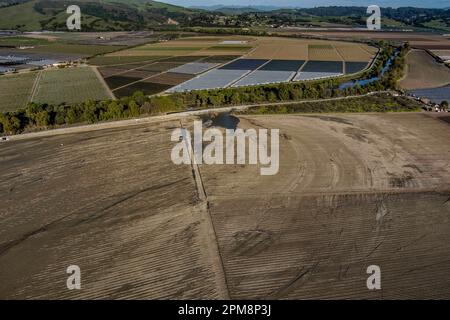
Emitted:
<point x="223" y="120"/>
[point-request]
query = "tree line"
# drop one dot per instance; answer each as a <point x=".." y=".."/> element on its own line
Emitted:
<point x="375" y="103"/>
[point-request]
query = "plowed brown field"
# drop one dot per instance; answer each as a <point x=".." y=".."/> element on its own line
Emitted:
<point x="353" y="190"/>
<point x="424" y="72"/>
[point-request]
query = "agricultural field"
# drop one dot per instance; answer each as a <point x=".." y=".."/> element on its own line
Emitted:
<point x="117" y="38"/>
<point x="15" y="90"/>
<point x="262" y="77"/>
<point x="339" y="203"/>
<point x="354" y="67"/>
<point x="303" y="49"/>
<point x="217" y="62"/>
<point x="436" y="95"/>
<point x="324" y="52"/>
<point x="356" y="53"/>
<point x="443" y="54"/>
<point x="416" y="39"/>
<point x="135" y="220"/>
<point x="70" y="85"/>
<point x="111" y="61"/>
<point x="187" y="46"/>
<point x="424" y="72"/>
<point x="45" y="46"/>
<point x="279" y="50"/>
<point x="146" y="86"/>
<point x="319" y="70"/>
<point x="84" y="50"/>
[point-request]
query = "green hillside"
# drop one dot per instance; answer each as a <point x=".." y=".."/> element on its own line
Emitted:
<point x="21" y="16"/>
<point x="143" y="4"/>
<point x="97" y="15"/>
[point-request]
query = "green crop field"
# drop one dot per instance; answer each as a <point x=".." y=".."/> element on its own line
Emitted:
<point x="15" y="90"/>
<point x="71" y="85"/>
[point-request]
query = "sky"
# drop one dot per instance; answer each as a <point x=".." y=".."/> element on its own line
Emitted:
<point x="315" y="3"/>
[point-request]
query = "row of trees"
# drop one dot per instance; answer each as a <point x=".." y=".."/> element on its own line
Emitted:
<point x="375" y="103"/>
<point x="39" y="116"/>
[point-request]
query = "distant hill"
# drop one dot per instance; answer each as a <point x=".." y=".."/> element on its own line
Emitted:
<point x="5" y="3"/>
<point x="115" y="15"/>
<point x="96" y="14"/>
<point x="237" y="9"/>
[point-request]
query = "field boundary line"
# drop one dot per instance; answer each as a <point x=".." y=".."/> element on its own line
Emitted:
<point x="203" y="196"/>
<point x="144" y="65"/>
<point x="247" y="74"/>
<point x="103" y="82"/>
<point x="140" y="80"/>
<point x="152" y="76"/>
<point x="394" y="191"/>
<point x="247" y="55"/>
<point x="364" y="49"/>
<point x="128" y="70"/>
<point x="220" y="65"/>
<point x="302" y="66"/>
<point x="124" y="64"/>
<point x="35" y="86"/>
<point x="344" y="66"/>
<point x="406" y="70"/>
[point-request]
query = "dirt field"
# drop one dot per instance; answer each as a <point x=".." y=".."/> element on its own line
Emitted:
<point x="111" y="202"/>
<point x="353" y="190"/>
<point x="188" y="46"/>
<point x="255" y="47"/>
<point x="170" y="78"/>
<point x="323" y="53"/>
<point x="443" y="54"/>
<point x="356" y="53"/>
<point x="303" y="49"/>
<point x="424" y="72"/>
<point x="277" y="48"/>
<point x="416" y="39"/>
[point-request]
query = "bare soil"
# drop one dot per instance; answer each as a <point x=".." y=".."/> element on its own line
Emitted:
<point x="423" y="72"/>
<point x="353" y="190"/>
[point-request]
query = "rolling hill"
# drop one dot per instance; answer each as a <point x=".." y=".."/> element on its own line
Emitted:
<point x="116" y="15"/>
<point x="97" y="15"/>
